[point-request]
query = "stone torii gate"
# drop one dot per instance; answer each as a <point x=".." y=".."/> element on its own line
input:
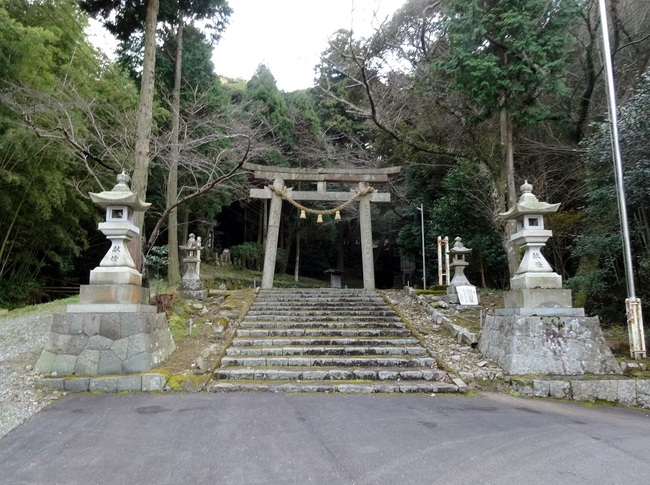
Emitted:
<point x="278" y="191"/>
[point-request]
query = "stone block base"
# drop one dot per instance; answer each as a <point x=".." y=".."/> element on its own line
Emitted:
<point x="547" y="345"/>
<point x="538" y="298"/>
<point x="89" y="344"/>
<point x="115" y="276"/>
<point x="128" y="294"/>
<point x="192" y="288"/>
<point x="536" y="280"/>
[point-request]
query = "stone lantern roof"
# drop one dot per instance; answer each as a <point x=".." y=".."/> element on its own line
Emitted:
<point x="528" y="204"/>
<point x="120" y="195"/>
<point x="459" y="248"/>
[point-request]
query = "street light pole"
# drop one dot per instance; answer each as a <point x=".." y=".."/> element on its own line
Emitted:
<point x="424" y="268"/>
<point x="632" y="303"/>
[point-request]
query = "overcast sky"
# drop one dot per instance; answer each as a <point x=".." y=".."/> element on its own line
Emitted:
<point x="286" y="35"/>
<point x="289" y="35"/>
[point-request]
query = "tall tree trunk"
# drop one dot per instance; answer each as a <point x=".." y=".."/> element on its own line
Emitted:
<point x="507" y="140"/>
<point x="143" y="133"/>
<point x="173" y="269"/>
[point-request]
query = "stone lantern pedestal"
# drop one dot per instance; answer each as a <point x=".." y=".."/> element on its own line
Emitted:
<point x="113" y="329"/>
<point x="538" y="331"/>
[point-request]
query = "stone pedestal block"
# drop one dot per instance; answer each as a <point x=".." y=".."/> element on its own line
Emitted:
<point x="547" y="345"/>
<point x="192" y="288"/>
<point x="538" y="298"/>
<point x="115" y="276"/>
<point x="536" y="280"/>
<point x="88" y="344"/>
<point x="129" y="294"/>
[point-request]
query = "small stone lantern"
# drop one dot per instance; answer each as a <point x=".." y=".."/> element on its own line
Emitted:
<point x="191" y="286"/>
<point x="534" y="271"/>
<point x="458" y="253"/>
<point x="117" y="267"/>
<point x="460" y="290"/>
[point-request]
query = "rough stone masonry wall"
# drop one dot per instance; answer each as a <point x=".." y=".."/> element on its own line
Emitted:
<point x="91" y="344"/>
<point x="619" y="390"/>
<point x="547" y="345"/>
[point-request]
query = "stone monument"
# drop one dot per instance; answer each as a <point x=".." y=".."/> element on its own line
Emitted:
<point x="460" y="290"/>
<point x="191" y="286"/>
<point x="113" y="329"/>
<point x="538" y="331"/>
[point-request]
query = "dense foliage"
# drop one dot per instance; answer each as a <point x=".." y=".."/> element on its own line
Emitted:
<point x="469" y="97"/>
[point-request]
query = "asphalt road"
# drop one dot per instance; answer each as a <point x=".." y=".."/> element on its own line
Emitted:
<point x="325" y="439"/>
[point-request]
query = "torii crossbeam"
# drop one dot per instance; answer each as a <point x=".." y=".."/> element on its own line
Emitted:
<point x="278" y="191"/>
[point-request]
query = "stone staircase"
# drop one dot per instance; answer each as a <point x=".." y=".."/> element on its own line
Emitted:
<point x="326" y="340"/>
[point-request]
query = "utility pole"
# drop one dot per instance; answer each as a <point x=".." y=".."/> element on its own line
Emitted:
<point x="632" y="303"/>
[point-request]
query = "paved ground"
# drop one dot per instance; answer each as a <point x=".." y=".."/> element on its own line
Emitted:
<point x="325" y="439"/>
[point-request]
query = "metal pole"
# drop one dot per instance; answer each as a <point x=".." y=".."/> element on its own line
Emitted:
<point x="424" y="268"/>
<point x="633" y="304"/>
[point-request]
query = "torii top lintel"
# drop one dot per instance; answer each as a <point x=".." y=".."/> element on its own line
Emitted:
<point x="322" y="174"/>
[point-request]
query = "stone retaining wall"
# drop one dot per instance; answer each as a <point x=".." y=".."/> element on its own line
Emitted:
<point x="619" y="390"/>
<point x="88" y="344"/>
<point x="135" y="383"/>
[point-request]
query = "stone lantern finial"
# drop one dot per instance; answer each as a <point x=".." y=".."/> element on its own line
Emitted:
<point x="123" y="180"/>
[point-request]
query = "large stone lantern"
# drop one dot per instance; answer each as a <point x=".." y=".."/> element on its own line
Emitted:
<point x="538" y="331"/>
<point x="113" y="329"/>
<point x="534" y="271"/>
<point x="117" y="267"/>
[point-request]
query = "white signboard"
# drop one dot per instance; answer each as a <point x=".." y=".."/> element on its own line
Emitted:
<point x="467" y="295"/>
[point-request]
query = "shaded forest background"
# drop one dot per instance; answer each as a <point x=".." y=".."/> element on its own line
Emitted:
<point x="469" y="97"/>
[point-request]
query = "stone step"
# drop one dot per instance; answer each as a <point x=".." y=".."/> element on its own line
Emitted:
<point x="286" y="341"/>
<point x="323" y="332"/>
<point x="326" y="341"/>
<point x="388" y="386"/>
<point x="348" y="350"/>
<point x="324" y="323"/>
<point x="328" y="361"/>
<point x="310" y="301"/>
<point x="273" y="299"/>
<point x="329" y="374"/>
<point x="277" y="314"/>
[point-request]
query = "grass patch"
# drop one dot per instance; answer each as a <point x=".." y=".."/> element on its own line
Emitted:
<point x="57" y="306"/>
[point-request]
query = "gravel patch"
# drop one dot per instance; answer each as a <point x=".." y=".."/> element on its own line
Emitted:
<point x="22" y="339"/>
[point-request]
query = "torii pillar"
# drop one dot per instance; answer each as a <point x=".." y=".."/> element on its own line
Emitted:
<point x="273" y="232"/>
<point x="365" y="225"/>
<point x="321" y="176"/>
